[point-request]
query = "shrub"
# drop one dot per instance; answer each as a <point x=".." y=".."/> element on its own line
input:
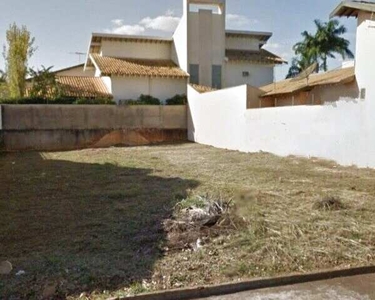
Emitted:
<point x="177" y="100"/>
<point x="142" y="100"/>
<point x="57" y="101"/>
<point x="98" y="101"/>
<point x="149" y="100"/>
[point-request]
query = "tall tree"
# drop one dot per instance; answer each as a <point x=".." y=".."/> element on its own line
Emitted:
<point x="20" y="47"/>
<point x="330" y="41"/>
<point x="326" y="43"/>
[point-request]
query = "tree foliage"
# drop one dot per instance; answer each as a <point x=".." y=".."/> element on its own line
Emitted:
<point x="326" y="43"/>
<point x="4" y="91"/>
<point x="20" y="47"/>
<point x="44" y="84"/>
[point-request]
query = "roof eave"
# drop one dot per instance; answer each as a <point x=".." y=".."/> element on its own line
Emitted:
<point x="351" y="9"/>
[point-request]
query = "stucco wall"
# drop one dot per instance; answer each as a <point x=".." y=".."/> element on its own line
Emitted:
<point x="49" y="127"/>
<point x="77" y="71"/>
<point x="125" y="88"/>
<point x="206" y="42"/>
<point x="260" y="75"/>
<point x="242" y="43"/>
<point x="179" y="50"/>
<point x="149" y="50"/>
<point x="342" y="130"/>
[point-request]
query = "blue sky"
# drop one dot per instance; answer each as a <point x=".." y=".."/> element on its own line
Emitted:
<point x="62" y="27"/>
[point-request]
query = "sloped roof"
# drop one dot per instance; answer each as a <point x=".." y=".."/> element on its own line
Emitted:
<point x="137" y="67"/>
<point x="86" y="87"/>
<point x="202" y="88"/>
<point x="261" y="56"/>
<point x="290" y="86"/>
<point x="351" y="8"/>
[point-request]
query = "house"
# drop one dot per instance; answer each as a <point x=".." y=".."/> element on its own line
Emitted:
<point x="201" y="52"/>
<point x="328" y="87"/>
<point x="313" y="89"/>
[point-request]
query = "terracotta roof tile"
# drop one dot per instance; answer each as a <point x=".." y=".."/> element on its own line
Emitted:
<point x="137" y="67"/>
<point x="261" y="56"/>
<point x="86" y="87"/>
<point x="290" y="86"/>
<point x="202" y="88"/>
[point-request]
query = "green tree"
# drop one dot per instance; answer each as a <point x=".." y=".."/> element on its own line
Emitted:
<point x="4" y="91"/>
<point x="326" y="43"/>
<point x="44" y="84"/>
<point x="20" y="47"/>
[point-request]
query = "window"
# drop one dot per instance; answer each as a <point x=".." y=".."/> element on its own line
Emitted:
<point x="216" y="77"/>
<point x="194" y="74"/>
<point x="245" y="74"/>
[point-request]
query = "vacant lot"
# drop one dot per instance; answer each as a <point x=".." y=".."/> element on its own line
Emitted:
<point x="93" y="221"/>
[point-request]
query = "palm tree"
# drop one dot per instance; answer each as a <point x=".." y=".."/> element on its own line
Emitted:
<point x="324" y="44"/>
<point x="328" y="37"/>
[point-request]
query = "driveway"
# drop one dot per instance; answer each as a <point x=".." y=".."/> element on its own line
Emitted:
<point x="350" y="288"/>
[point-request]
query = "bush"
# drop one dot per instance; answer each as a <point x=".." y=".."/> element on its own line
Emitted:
<point x="57" y="101"/>
<point x="99" y="101"/>
<point x="142" y="100"/>
<point x="149" y="100"/>
<point x="177" y="100"/>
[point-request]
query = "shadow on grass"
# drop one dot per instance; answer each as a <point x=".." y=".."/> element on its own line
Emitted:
<point x="80" y="227"/>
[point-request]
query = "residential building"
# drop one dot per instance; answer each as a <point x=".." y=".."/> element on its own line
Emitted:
<point x="202" y="52"/>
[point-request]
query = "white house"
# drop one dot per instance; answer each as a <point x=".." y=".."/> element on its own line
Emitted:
<point x="201" y="52"/>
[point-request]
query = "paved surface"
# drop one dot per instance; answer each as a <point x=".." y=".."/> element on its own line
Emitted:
<point x="351" y="288"/>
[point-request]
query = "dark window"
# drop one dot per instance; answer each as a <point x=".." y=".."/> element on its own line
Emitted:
<point x="194" y="74"/>
<point x="245" y="74"/>
<point x="216" y="77"/>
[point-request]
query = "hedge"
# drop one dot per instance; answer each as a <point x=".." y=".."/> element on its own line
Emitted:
<point x="149" y="100"/>
<point x="58" y="101"/>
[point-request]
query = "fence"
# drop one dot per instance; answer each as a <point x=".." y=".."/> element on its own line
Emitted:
<point x="342" y="130"/>
<point x="67" y="127"/>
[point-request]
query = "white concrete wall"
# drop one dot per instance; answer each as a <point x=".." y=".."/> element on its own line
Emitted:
<point x="179" y="50"/>
<point x="149" y="50"/>
<point x="343" y="131"/>
<point x="126" y="88"/>
<point x="242" y="43"/>
<point x="365" y="52"/>
<point x="260" y="75"/>
<point x="77" y="71"/>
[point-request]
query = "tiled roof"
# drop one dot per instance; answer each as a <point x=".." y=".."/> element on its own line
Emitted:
<point x="86" y="87"/>
<point x="202" y="88"/>
<point x="137" y="67"/>
<point x="261" y="56"/>
<point x="290" y="86"/>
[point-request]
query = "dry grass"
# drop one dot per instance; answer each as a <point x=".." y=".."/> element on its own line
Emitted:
<point x="92" y="220"/>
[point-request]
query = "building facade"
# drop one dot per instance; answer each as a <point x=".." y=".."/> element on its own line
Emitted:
<point x="201" y="52"/>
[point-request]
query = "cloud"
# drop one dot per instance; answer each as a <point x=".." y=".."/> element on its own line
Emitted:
<point x="118" y="22"/>
<point x="273" y="46"/>
<point x="128" y="29"/>
<point x="167" y="23"/>
<point x="239" y="21"/>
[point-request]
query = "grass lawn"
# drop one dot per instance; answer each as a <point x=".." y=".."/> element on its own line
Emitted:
<point x="93" y="220"/>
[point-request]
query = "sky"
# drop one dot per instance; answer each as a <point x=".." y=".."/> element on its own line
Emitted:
<point x="63" y="27"/>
